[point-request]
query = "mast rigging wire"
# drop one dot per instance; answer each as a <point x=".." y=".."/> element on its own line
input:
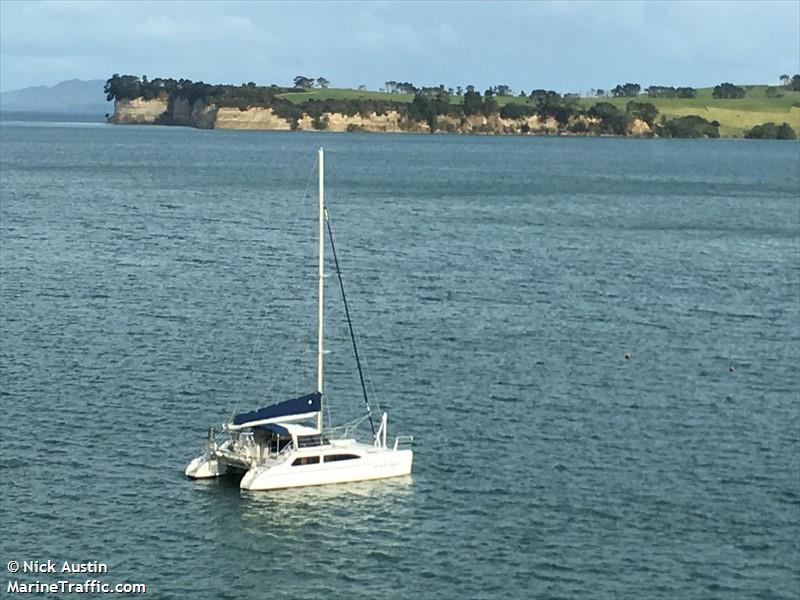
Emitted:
<point x="349" y="322"/>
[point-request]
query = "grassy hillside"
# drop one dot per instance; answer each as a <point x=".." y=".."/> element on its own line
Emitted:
<point x="343" y="94"/>
<point x="734" y="115"/>
<point x="347" y="94"/>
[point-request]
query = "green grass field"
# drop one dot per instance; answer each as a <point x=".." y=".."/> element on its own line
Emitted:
<point x="348" y="94"/>
<point x="344" y="94"/>
<point x="734" y="115"/>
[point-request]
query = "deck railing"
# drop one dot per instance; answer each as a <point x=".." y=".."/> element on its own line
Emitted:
<point x="403" y="442"/>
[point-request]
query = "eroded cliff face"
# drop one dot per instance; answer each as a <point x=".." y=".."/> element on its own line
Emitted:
<point x="391" y="121"/>
<point x="138" y="110"/>
<point x="209" y="116"/>
<point x="265" y="118"/>
<point x="164" y="111"/>
<point x="255" y="117"/>
<point x="639" y="128"/>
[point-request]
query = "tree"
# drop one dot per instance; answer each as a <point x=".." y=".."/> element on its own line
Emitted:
<point x="549" y="104"/>
<point x="643" y="111"/>
<point x="489" y="103"/>
<point x="728" y="90"/>
<point x="472" y="102"/>
<point x="303" y="82"/>
<point x="517" y="111"/>
<point x="785" y="132"/>
<point x="322" y="82"/>
<point x="661" y="91"/>
<point x="319" y="122"/>
<point x="690" y="126"/>
<point x="362" y="88"/>
<point x="422" y="108"/>
<point x="795" y="83"/>
<point x="122" y="87"/>
<point x="626" y="90"/>
<point x="600" y="93"/>
<point x="771" y="131"/>
<point x="611" y="119"/>
<point x="503" y="90"/>
<point x="785" y="79"/>
<point x="405" y="88"/>
<point x="540" y="93"/>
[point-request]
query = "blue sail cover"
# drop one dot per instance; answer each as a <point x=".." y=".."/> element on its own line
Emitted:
<point x="275" y="428"/>
<point x="309" y="403"/>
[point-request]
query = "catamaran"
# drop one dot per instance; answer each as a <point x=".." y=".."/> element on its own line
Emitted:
<point x="284" y="445"/>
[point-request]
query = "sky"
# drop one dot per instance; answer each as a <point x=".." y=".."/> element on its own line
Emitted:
<point x="565" y="46"/>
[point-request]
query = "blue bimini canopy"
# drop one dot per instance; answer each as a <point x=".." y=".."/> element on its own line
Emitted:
<point x="275" y="428"/>
<point x="288" y="410"/>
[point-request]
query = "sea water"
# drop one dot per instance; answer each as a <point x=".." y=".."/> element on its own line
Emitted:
<point x="594" y="342"/>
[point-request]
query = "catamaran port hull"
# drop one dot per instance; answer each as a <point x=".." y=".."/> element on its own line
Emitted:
<point x="204" y="467"/>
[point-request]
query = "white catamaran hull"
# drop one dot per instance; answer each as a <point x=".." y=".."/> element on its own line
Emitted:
<point x="204" y="467"/>
<point x="298" y="465"/>
<point x="377" y="465"/>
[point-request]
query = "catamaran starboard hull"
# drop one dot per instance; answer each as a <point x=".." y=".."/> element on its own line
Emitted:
<point x="380" y="465"/>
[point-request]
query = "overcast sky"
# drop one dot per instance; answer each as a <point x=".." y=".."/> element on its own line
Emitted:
<point x="566" y="46"/>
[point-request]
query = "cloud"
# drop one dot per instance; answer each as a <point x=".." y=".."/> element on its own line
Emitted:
<point x="159" y="28"/>
<point x="568" y="46"/>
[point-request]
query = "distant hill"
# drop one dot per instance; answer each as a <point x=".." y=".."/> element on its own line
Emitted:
<point x="73" y="96"/>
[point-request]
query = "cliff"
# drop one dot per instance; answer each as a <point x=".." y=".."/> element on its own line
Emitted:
<point x="167" y="111"/>
<point x="138" y="110"/>
<point x="164" y="111"/>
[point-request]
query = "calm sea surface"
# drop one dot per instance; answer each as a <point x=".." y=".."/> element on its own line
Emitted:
<point x="154" y="280"/>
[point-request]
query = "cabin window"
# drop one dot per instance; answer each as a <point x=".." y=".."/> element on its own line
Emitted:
<point x="305" y="460"/>
<point x="278" y="443"/>
<point x="307" y="441"/>
<point x="335" y="457"/>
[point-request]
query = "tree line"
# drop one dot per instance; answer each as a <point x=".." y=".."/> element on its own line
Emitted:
<point x="431" y="104"/>
<point x="127" y="87"/>
<point x="130" y="86"/>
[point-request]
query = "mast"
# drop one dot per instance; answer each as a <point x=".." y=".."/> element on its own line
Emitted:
<point x="321" y="283"/>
